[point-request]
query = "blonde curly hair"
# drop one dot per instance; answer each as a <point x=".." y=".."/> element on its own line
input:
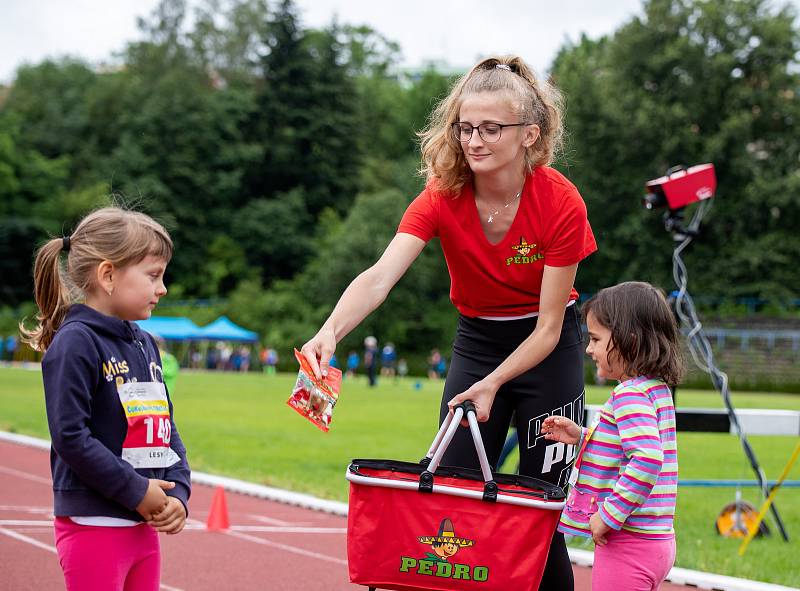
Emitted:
<point x="536" y="101"/>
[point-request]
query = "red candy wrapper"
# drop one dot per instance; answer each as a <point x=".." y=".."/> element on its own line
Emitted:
<point x="313" y="398"/>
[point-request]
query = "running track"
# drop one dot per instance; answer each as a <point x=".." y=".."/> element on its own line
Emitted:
<point x="270" y="546"/>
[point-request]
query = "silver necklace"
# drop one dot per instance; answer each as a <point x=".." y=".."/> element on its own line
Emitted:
<point x="491" y="217"/>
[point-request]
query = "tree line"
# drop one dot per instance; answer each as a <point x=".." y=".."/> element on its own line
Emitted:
<point x="281" y="157"/>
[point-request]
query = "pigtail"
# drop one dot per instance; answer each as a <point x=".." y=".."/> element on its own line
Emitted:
<point x="546" y="110"/>
<point x="52" y="296"/>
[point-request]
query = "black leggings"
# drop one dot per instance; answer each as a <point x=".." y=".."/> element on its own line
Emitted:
<point x="553" y="387"/>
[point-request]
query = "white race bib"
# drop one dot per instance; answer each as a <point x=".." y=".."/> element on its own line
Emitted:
<point x="149" y="427"/>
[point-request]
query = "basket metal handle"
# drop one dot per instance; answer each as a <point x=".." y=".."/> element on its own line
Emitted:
<point x="442" y="441"/>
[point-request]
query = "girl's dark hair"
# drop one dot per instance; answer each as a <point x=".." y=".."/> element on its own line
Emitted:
<point x="644" y="335"/>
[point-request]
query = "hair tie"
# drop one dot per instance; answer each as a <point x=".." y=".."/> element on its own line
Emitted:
<point x="503" y="67"/>
<point x="65" y="243"/>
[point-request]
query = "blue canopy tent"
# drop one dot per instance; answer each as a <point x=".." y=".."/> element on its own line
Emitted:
<point x="191" y="343"/>
<point x="171" y="328"/>
<point x="180" y="328"/>
<point x="222" y="329"/>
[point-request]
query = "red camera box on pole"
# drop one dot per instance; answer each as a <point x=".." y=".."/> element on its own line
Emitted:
<point x="683" y="186"/>
<point x="424" y="526"/>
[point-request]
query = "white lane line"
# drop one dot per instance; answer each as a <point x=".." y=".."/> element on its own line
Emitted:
<point x="43" y="546"/>
<point x="273" y="529"/>
<point x="196" y="525"/>
<point x="27" y="509"/>
<point x="26" y="475"/>
<point x="273" y="521"/>
<point x="31" y="541"/>
<point x="286" y="547"/>
<point x="199" y="526"/>
<point x="290" y="530"/>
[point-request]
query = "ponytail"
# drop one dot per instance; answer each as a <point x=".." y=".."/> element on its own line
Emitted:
<point x="545" y="107"/>
<point x="113" y="234"/>
<point x="51" y="293"/>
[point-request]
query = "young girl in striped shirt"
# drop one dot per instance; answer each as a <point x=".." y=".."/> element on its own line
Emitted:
<point x="625" y="478"/>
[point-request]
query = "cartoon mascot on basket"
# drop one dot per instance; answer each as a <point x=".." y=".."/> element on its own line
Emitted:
<point x="445" y="544"/>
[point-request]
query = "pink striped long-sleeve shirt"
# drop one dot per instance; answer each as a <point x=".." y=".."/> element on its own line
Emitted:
<point x="630" y="463"/>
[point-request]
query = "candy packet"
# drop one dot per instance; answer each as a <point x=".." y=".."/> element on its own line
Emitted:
<point x="313" y="398"/>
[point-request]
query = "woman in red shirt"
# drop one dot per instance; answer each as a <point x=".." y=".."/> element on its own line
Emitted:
<point x="513" y="231"/>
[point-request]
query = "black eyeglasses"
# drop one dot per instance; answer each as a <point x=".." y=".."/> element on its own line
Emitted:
<point x="489" y="132"/>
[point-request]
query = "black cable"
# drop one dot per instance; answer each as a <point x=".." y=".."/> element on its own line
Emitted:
<point x="699" y="345"/>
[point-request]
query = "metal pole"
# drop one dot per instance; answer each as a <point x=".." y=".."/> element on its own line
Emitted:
<point x="700" y="346"/>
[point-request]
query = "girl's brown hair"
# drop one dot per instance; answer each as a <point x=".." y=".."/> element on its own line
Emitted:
<point x="536" y="101"/>
<point x="644" y="335"/>
<point x="110" y="234"/>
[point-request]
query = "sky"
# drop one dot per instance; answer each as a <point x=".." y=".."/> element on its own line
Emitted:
<point x="457" y="33"/>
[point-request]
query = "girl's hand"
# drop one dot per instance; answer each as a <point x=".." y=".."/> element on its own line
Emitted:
<point x="599" y="529"/>
<point x="482" y="396"/>
<point x="155" y="499"/>
<point x="561" y="429"/>
<point x="172" y="518"/>
<point x="319" y="350"/>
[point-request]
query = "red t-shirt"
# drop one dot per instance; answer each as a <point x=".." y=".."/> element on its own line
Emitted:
<point x="505" y="279"/>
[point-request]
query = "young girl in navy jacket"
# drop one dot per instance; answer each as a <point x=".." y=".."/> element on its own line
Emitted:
<point x="119" y="467"/>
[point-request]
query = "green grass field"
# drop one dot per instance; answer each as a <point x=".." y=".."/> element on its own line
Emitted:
<point x="239" y="425"/>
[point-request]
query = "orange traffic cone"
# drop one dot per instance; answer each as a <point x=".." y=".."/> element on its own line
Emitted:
<point x="218" y="515"/>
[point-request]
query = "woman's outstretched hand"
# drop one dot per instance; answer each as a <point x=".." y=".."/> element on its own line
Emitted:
<point x="561" y="429"/>
<point x="319" y="350"/>
<point x="482" y="396"/>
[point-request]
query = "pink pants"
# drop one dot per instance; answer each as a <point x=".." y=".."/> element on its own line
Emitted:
<point x="108" y="558"/>
<point x="631" y="562"/>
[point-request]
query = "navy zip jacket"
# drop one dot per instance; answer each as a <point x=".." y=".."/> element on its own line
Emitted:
<point x="90" y="354"/>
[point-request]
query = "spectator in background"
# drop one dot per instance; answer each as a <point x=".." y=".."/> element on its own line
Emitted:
<point x="352" y="364"/>
<point x="334" y="361"/>
<point x="212" y="358"/>
<point x="219" y="345"/>
<point x="270" y="361"/>
<point x="402" y="368"/>
<point x="434" y="362"/>
<point x="235" y="360"/>
<point x="371" y="359"/>
<point x="244" y="359"/>
<point x="225" y="353"/>
<point x="441" y="369"/>
<point x="388" y="360"/>
<point x="195" y="357"/>
<point x="11" y="347"/>
<point x="169" y="366"/>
